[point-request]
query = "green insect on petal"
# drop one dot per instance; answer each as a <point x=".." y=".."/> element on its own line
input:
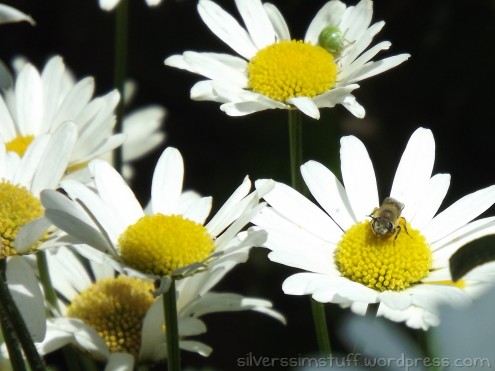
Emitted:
<point x="332" y="39"/>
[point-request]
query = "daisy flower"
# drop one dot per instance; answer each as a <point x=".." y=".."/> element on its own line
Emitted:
<point x="172" y="240"/>
<point x="109" y="5"/>
<point x="9" y="14"/>
<point x="275" y="71"/>
<point x="118" y="320"/>
<point x="406" y="269"/>
<point x="37" y="103"/>
<point x="23" y="226"/>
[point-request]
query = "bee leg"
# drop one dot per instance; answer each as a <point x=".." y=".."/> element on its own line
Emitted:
<point x="405" y="226"/>
<point x="398" y="229"/>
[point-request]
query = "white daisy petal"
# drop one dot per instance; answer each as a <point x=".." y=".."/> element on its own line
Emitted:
<point x="71" y="219"/>
<point x="329" y="193"/>
<point x="55" y="158"/>
<point x="245" y="108"/>
<point x="459" y="213"/>
<point x="120" y="362"/>
<point x="444" y="248"/>
<point x="430" y="202"/>
<point x="27" y="295"/>
<point x="257" y="22"/>
<point x="359" y="177"/>
<point x="306" y="105"/>
<point x="228" y="213"/>
<point x="30" y="234"/>
<point x="353" y="106"/>
<point x="205" y="64"/>
<point x="167" y="182"/>
<point x="375" y="68"/>
<point x="297" y="208"/>
<point x="279" y="25"/>
<point x="226" y="28"/>
<point x="199" y="210"/>
<point x="29" y="100"/>
<point x="414" y="171"/>
<point x="9" y="14"/>
<point x="115" y="192"/>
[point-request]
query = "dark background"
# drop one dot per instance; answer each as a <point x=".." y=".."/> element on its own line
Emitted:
<point x="446" y="85"/>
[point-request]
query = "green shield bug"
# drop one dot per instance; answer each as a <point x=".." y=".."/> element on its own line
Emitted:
<point x="332" y="39"/>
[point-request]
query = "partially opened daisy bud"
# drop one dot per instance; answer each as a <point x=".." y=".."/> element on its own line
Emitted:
<point x="172" y="240"/>
<point x="276" y="71"/>
<point x="358" y="250"/>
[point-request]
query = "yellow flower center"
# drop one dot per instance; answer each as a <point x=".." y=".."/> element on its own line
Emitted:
<point x="383" y="263"/>
<point x="19" y="207"/>
<point x="115" y="308"/>
<point x="159" y="244"/>
<point x="19" y="144"/>
<point x="291" y="69"/>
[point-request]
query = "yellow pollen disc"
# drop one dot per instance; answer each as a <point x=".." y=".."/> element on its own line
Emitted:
<point x="19" y="144"/>
<point x="19" y="207"/>
<point x="115" y="308"/>
<point x="291" y="69"/>
<point x="383" y="263"/>
<point x="159" y="244"/>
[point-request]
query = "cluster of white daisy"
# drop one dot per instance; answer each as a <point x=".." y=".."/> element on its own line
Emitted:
<point x="88" y="266"/>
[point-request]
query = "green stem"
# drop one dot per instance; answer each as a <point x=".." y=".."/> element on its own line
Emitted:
<point x="10" y="309"/>
<point x="428" y="345"/>
<point x="320" y="321"/>
<point x="296" y="160"/>
<point x="46" y="282"/>
<point x="296" y="145"/>
<point x="171" y="328"/>
<point x="120" y="70"/>
<point x="11" y="341"/>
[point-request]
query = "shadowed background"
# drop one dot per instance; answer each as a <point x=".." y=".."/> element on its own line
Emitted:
<point x="446" y="85"/>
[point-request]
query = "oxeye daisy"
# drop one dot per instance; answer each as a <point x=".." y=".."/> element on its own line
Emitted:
<point x="275" y="71"/>
<point x="36" y="103"/>
<point x="349" y="260"/>
<point x="172" y="240"/>
<point x="24" y="230"/>
<point x="117" y="319"/>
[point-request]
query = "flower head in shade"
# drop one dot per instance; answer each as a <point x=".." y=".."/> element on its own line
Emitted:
<point x="346" y="258"/>
<point x="276" y="71"/>
<point x="23" y="227"/>
<point x="118" y="320"/>
<point x="172" y="240"/>
<point x="36" y="103"/>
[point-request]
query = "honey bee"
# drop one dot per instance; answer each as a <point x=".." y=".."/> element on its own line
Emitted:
<point x="385" y="219"/>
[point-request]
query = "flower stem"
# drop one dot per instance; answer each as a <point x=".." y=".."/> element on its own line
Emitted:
<point x="171" y="328"/>
<point x="296" y="160"/>
<point x="45" y="279"/>
<point x="120" y="71"/>
<point x="11" y="341"/>
<point x="21" y="331"/>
